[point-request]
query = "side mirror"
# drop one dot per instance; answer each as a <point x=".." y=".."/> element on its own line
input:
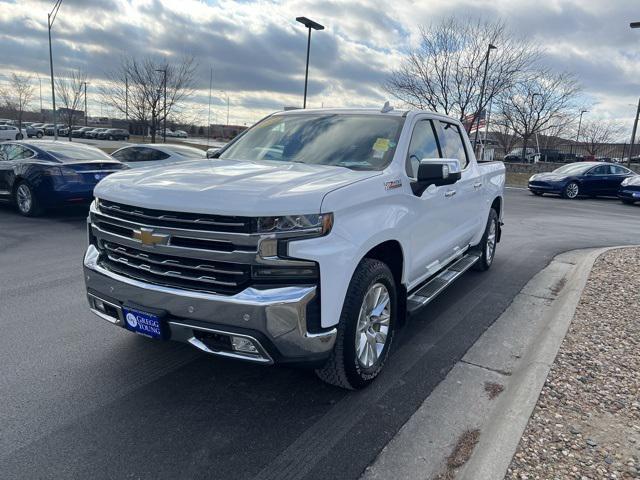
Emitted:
<point x="213" y="153"/>
<point x="436" y="171"/>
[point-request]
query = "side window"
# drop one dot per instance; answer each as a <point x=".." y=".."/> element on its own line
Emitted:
<point x="158" y="155"/>
<point x="125" y="155"/>
<point x="600" y="170"/>
<point x="618" y="170"/>
<point x="452" y="144"/>
<point x="423" y="145"/>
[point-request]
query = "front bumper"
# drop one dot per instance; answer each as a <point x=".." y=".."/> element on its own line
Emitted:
<point x="547" y="187"/>
<point x="274" y="320"/>
<point x="629" y="193"/>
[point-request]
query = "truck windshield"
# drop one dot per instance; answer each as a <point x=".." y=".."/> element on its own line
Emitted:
<point x="355" y="141"/>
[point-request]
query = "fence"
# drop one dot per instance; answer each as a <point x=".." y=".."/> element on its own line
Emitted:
<point x="566" y="153"/>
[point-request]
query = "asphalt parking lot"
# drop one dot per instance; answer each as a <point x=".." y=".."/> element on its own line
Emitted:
<point x="84" y="399"/>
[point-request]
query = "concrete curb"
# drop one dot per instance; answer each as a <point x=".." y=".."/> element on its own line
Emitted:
<point x="514" y="354"/>
<point x="505" y="426"/>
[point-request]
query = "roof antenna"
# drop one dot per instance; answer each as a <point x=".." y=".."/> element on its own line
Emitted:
<point x="386" y="108"/>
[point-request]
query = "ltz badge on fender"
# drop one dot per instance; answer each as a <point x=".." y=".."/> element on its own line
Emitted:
<point x="392" y="184"/>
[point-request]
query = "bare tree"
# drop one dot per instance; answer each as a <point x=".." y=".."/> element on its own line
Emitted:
<point x="136" y="89"/>
<point x="596" y="134"/>
<point x="18" y="96"/>
<point x="504" y="136"/>
<point x="539" y="101"/>
<point x="70" y="93"/>
<point x="445" y="72"/>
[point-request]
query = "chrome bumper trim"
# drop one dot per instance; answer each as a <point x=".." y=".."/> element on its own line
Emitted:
<point x="280" y="314"/>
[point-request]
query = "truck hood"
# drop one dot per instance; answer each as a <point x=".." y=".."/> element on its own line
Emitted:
<point x="228" y="187"/>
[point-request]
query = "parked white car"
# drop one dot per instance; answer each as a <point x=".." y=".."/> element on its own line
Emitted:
<point x="149" y="154"/>
<point x="9" y="132"/>
<point x="308" y="240"/>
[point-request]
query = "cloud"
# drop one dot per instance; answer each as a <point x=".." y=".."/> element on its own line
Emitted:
<point x="257" y="49"/>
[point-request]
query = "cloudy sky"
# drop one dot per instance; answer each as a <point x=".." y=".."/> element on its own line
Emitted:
<point x="257" y="49"/>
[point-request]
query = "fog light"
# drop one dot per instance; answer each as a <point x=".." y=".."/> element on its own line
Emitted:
<point x="242" y="344"/>
<point x="100" y="305"/>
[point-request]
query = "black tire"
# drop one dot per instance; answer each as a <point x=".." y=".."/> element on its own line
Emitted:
<point x="39" y="135"/>
<point x="27" y="209"/>
<point x="627" y="201"/>
<point x="110" y="137"/>
<point x="571" y="190"/>
<point x="537" y="194"/>
<point x="487" y="246"/>
<point x="343" y="368"/>
<point x="19" y="136"/>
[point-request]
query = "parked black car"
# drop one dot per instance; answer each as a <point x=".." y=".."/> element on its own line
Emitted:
<point x="79" y="132"/>
<point x="38" y="175"/>
<point x="94" y="133"/>
<point x="581" y="178"/>
<point x="629" y="191"/>
<point x="114" y="134"/>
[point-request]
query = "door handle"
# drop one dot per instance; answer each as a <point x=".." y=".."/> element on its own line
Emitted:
<point x="449" y="193"/>
<point x="477" y="185"/>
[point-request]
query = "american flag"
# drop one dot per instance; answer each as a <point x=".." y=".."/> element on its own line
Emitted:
<point x="471" y="123"/>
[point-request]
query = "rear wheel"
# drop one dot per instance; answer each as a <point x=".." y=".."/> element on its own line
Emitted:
<point x="110" y="137"/>
<point x="366" y="328"/>
<point x="39" y="135"/>
<point x="19" y="136"/>
<point x="571" y="190"/>
<point x="25" y="200"/>
<point x="487" y="246"/>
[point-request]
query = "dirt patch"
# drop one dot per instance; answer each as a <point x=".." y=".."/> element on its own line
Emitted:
<point x="460" y="455"/>
<point x="493" y="389"/>
<point x="559" y="285"/>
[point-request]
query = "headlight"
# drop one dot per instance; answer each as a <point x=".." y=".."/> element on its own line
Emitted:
<point x="314" y="223"/>
<point x="533" y="177"/>
<point x="626" y="182"/>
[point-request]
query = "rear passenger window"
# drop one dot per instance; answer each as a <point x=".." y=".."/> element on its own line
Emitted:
<point x="600" y="170"/>
<point x="452" y="144"/>
<point x="423" y="145"/>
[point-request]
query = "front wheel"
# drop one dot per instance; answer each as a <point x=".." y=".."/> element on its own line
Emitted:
<point x="366" y="328"/>
<point x="537" y="194"/>
<point x="571" y="190"/>
<point x="19" y="136"/>
<point x="39" y="135"/>
<point x="627" y="201"/>
<point x="487" y="246"/>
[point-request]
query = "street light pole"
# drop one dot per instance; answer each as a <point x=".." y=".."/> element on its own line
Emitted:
<point x="164" y="108"/>
<point x="310" y="24"/>
<point x="578" y="134"/>
<point x="51" y="17"/>
<point x="484" y="81"/>
<point x="41" y="113"/>
<point x="533" y="96"/>
<point x="86" y="114"/>
<point x="633" y="135"/>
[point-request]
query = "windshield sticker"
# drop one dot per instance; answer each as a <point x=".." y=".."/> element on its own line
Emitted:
<point x="381" y="145"/>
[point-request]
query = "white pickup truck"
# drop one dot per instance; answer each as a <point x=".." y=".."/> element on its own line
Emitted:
<point x="307" y="240"/>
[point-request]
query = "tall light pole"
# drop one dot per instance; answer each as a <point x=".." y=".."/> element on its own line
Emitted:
<point x="311" y="25"/>
<point x="635" y="122"/>
<point x="41" y="113"/>
<point x="582" y="112"/>
<point x="86" y="112"/>
<point x="209" y="112"/>
<point x="484" y="82"/>
<point x="51" y="17"/>
<point x="533" y="96"/>
<point x="164" y="108"/>
<point x="633" y="135"/>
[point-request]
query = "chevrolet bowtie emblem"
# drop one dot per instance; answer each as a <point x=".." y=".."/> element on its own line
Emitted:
<point x="147" y="237"/>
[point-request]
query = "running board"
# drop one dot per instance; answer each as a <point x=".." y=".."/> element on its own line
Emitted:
<point x="437" y="284"/>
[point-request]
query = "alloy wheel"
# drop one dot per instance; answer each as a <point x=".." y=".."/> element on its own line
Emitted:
<point x="24" y="198"/>
<point x="491" y="242"/>
<point x="373" y="325"/>
<point x="572" y="190"/>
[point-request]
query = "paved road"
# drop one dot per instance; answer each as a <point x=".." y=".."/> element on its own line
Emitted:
<point x="83" y="399"/>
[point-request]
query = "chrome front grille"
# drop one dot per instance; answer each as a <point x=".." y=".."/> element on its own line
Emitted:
<point x="192" y="254"/>
<point x="175" y="271"/>
<point x="192" y="221"/>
